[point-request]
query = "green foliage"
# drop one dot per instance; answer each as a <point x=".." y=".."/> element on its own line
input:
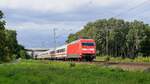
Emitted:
<point x="31" y="72"/>
<point x="22" y="53"/>
<point x="72" y="37"/>
<point x="2" y="22"/>
<point x="72" y="64"/>
<point x="138" y="59"/>
<point x="9" y="47"/>
<point x="117" y="38"/>
<point x="107" y="58"/>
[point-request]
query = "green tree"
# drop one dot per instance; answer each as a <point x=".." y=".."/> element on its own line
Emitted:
<point x="145" y="43"/>
<point x="9" y="47"/>
<point x="116" y="37"/>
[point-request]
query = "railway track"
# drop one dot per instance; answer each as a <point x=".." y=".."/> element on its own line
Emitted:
<point x="123" y="63"/>
<point x="112" y="63"/>
<point x="131" y="66"/>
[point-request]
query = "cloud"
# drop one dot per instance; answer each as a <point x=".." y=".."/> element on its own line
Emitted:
<point x="34" y="20"/>
<point x="71" y="10"/>
<point x="41" y="35"/>
<point x="60" y="6"/>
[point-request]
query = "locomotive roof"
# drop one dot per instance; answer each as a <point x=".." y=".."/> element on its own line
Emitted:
<point x="79" y="40"/>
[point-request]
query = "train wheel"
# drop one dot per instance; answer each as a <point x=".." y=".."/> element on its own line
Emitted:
<point x="88" y="58"/>
<point x="65" y="59"/>
<point x="79" y="59"/>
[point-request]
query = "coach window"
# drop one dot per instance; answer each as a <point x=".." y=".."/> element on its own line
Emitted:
<point x="52" y="52"/>
<point x="57" y="51"/>
<point x="62" y="50"/>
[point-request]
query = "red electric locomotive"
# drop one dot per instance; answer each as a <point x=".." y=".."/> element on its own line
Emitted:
<point x="82" y="49"/>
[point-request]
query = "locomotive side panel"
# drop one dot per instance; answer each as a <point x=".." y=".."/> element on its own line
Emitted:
<point x="73" y="50"/>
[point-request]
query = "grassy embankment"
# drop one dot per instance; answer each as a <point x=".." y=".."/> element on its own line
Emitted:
<point x="119" y="59"/>
<point x="45" y="72"/>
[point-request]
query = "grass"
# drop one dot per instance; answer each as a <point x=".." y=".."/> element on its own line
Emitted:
<point x="119" y="59"/>
<point x="46" y="72"/>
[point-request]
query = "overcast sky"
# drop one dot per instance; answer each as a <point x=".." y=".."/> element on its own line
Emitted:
<point x="34" y="20"/>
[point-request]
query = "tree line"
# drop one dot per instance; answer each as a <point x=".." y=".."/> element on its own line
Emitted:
<point x="117" y="38"/>
<point x="9" y="47"/>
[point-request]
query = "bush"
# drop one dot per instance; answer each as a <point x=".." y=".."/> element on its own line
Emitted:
<point x="107" y="58"/>
<point x="72" y="64"/>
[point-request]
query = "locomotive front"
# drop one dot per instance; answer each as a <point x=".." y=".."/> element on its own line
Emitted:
<point x="88" y="49"/>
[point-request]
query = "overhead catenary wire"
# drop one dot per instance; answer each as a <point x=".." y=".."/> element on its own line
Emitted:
<point x="54" y="30"/>
<point x="56" y="37"/>
<point x="120" y="14"/>
<point x="132" y="8"/>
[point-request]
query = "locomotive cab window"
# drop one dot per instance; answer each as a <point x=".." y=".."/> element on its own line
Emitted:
<point x="87" y="44"/>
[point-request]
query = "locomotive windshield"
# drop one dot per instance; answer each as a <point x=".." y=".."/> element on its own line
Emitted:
<point x="87" y="44"/>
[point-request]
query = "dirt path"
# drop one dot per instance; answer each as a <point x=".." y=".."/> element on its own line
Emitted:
<point x="127" y="66"/>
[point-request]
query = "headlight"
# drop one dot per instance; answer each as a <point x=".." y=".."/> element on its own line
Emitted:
<point x="88" y="49"/>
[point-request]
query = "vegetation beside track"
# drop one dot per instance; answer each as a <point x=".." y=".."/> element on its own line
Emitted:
<point x="50" y="72"/>
<point x="10" y="49"/>
<point x="119" y="59"/>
